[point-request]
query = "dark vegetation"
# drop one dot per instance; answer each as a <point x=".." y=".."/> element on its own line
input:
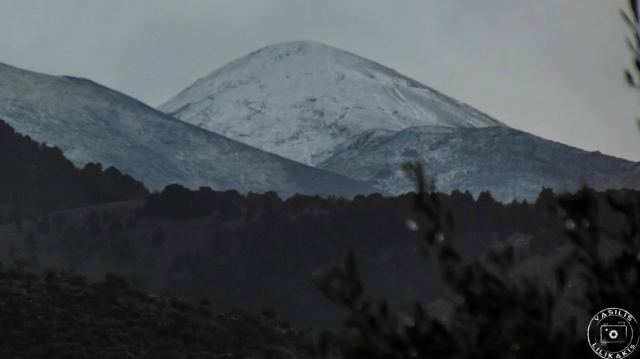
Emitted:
<point x="479" y="223"/>
<point x="498" y="313"/>
<point x="260" y="248"/>
<point x="631" y="19"/>
<point x="37" y="179"/>
<point x="59" y="315"/>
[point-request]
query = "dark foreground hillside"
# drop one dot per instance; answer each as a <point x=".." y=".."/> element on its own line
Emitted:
<point x="258" y="251"/>
<point x="64" y="316"/>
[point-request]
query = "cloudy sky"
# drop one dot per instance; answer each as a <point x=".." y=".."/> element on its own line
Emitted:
<point x="550" y="67"/>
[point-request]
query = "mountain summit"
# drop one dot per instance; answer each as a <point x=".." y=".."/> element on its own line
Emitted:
<point x="304" y="100"/>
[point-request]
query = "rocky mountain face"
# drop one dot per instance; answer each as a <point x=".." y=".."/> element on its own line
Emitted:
<point x="91" y="123"/>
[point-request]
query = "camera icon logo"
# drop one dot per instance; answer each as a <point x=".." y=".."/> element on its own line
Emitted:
<point x="613" y="333"/>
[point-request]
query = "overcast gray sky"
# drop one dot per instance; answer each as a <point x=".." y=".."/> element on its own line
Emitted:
<point x="549" y="67"/>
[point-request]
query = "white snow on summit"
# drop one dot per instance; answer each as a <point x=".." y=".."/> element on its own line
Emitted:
<point x="304" y="100"/>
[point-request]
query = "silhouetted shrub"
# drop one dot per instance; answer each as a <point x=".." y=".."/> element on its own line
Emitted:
<point x="66" y="316"/>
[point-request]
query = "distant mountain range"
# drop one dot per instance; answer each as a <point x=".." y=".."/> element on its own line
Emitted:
<point x="91" y="123"/>
<point x="334" y="110"/>
<point x="299" y="117"/>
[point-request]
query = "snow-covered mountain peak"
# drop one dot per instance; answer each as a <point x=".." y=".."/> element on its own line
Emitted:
<point x="303" y="99"/>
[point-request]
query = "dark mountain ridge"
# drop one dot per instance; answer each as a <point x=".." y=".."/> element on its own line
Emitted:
<point x="38" y="179"/>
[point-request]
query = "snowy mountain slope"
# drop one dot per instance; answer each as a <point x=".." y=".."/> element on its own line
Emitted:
<point x="92" y="123"/>
<point x="303" y="100"/>
<point x="509" y="163"/>
<point x="628" y="179"/>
